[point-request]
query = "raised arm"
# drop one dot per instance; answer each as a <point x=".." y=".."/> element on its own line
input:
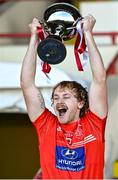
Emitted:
<point x="98" y="89"/>
<point x="32" y="95"/>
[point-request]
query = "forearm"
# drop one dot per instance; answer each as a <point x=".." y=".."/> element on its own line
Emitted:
<point x="96" y="62"/>
<point x="28" y="70"/>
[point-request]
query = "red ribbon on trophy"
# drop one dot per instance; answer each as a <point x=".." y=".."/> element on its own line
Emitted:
<point x="79" y="48"/>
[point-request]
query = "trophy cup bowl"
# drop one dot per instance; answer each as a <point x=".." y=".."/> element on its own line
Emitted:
<point x="59" y="25"/>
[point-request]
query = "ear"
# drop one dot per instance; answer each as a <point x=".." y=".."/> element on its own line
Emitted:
<point x="81" y="104"/>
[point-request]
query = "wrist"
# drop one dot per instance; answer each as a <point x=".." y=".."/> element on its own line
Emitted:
<point x="34" y="39"/>
<point x="88" y="35"/>
<point x="34" y="36"/>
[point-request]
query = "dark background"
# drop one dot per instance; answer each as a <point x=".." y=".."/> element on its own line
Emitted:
<point x="19" y="157"/>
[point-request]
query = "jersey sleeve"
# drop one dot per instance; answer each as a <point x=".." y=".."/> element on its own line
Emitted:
<point x="44" y="119"/>
<point x="96" y="124"/>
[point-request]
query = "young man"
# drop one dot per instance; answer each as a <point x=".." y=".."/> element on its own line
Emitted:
<point x="72" y="141"/>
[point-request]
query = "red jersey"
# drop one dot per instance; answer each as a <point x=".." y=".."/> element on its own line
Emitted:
<point x="71" y="151"/>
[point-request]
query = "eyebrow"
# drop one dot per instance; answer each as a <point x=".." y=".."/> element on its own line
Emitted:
<point x="55" y="94"/>
<point x="66" y="94"/>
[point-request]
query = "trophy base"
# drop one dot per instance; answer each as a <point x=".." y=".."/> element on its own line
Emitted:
<point x="51" y="50"/>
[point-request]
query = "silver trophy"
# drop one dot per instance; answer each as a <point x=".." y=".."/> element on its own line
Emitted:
<point x="59" y="25"/>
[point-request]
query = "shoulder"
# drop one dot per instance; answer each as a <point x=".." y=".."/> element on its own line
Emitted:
<point x="45" y="117"/>
<point x="93" y="115"/>
<point x="92" y="119"/>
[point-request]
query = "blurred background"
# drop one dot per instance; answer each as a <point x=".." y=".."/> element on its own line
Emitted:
<point x="19" y="157"/>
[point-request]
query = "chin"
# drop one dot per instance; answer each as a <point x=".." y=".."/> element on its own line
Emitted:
<point x="63" y="121"/>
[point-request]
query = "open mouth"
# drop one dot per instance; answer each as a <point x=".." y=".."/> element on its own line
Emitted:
<point x="62" y="111"/>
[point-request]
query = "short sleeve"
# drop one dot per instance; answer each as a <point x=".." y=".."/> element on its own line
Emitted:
<point x="45" y="118"/>
<point x="95" y="124"/>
